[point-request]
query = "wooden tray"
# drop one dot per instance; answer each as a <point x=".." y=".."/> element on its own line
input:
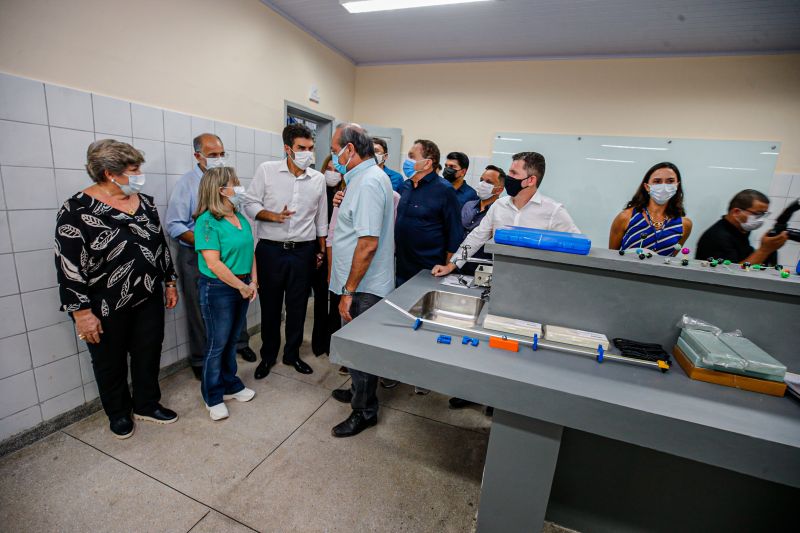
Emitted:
<point x="764" y="386"/>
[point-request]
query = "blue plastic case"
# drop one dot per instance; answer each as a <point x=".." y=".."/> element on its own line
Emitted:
<point x="542" y="239"/>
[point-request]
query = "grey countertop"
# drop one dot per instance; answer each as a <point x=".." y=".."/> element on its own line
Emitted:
<point x="743" y="431"/>
<point x="732" y="276"/>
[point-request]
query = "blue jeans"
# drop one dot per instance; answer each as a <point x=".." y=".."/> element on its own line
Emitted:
<point x="224" y="312"/>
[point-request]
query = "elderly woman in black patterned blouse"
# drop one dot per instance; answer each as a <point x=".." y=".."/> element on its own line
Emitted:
<point x="111" y="260"/>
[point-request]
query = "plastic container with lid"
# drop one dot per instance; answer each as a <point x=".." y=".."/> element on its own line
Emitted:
<point x="542" y="239"/>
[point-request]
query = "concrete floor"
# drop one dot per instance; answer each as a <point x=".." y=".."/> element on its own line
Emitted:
<point x="272" y="466"/>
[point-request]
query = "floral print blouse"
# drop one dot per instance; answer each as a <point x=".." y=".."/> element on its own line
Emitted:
<point x="109" y="260"/>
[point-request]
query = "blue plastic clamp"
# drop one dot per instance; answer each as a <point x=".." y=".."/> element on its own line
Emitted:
<point x="535" y="344"/>
<point x="466" y="340"/>
<point x="475" y="342"/>
<point x="599" y="353"/>
<point x="417" y="324"/>
<point x="444" y="339"/>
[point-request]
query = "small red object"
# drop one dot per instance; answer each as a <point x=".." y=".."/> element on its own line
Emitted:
<point x="504" y="344"/>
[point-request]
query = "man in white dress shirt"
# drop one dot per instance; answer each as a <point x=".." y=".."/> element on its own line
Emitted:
<point x="288" y="201"/>
<point x="524" y="206"/>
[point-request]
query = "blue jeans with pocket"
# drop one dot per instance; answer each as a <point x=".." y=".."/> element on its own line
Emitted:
<point x="224" y="313"/>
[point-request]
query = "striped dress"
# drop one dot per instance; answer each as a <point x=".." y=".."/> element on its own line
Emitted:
<point x="640" y="234"/>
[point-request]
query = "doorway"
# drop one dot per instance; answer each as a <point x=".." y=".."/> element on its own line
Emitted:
<point x="321" y="126"/>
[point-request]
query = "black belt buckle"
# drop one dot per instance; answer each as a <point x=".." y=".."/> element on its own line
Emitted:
<point x="289" y="245"/>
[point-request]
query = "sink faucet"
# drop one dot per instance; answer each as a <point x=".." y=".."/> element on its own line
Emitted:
<point x="465" y="250"/>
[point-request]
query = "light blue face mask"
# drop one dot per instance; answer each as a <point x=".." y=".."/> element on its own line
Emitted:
<point x="340" y="168"/>
<point x="135" y="184"/>
<point x="238" y="195"/>
<point x="408" y="167"/>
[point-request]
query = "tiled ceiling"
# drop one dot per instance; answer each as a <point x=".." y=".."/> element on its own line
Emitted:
<point x="512" y="29"/>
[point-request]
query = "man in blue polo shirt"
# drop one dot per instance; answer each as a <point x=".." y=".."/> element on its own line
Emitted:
<point x="455" y="170"/>
<point x="381" y="153"/>
<point x="428" y="227"/>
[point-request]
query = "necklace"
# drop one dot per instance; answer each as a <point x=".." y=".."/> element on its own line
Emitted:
<point x="128" y="209"/>
<point x="656" y="225"/>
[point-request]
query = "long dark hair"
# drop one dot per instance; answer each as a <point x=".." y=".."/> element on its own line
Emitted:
<point x="642" y="197"/>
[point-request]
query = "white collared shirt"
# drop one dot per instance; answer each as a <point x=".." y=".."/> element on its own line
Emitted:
<point x="540" y="212"/>
<point x="274" y="187"/>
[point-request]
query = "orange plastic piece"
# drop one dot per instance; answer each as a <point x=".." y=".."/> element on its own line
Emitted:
<point x="504" y="344"/>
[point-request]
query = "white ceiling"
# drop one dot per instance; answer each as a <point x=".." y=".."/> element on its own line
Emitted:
<point x="517" y="29"/>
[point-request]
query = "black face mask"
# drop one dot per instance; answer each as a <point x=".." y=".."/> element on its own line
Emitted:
<point x="513" y="186"/>
<point x="449" y="174"/>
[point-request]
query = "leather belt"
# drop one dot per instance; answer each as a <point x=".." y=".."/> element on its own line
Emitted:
<point x="288" y="245"/>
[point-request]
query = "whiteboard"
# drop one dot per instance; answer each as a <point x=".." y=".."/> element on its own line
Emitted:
<point x="595" y="177"/>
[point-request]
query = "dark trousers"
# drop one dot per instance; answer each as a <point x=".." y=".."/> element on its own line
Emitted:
<point x="364" y="386"/>
<point x="334" y="318"/>
<point x="188" y="276"/>
<point x="224" y="310"/>
<point x="283" y="274"/>
<point x="138" y="331"/>
<point x="321" y="334"/>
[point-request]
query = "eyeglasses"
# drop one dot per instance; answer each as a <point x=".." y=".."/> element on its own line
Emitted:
<point x="759" y="215"/>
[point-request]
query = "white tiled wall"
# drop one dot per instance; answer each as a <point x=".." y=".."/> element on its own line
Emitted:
<point x="44" y="133"/>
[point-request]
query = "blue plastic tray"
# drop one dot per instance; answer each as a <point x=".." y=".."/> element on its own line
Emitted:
<point x="542" y="239"/>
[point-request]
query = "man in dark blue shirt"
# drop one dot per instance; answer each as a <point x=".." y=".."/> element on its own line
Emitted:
<point x="489" y="188"/>
<point x="455" y="170"/>
<point x="381" y="153"/>
<point x="428" y="229"/>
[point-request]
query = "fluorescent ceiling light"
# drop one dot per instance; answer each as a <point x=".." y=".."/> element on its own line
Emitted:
<point x="609" y="160"/>
<point x="503" y="153"/>
<point x="633" y="147"/>
<point x="509" y="139"/>
<point x="734" y="168"/>
<point x="770" y="153"/>
<point x="369" y="6"/>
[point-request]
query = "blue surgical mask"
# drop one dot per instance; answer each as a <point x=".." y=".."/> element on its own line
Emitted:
<point x="216" y="162"/>
<point x="340" y="168"/>
<point x="408" y="167"/>
<point x="135" y="184"/>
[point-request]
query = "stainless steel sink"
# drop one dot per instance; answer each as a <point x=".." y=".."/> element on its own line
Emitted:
<point x="448" y="308"/>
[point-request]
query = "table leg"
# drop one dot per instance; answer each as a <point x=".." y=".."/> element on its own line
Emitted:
<point x="518" y="474"/>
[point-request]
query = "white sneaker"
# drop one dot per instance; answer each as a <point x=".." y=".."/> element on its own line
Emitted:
<point x="421" y="391"/>
<point x="217" y="412"/>
<point x="244" y="395"/>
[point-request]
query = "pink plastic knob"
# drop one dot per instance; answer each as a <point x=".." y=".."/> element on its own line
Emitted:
<point x="685" y="251"/>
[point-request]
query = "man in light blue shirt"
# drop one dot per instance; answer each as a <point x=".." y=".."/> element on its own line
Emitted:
<point x="363" y="257"/>
<point x="179" y="223"/>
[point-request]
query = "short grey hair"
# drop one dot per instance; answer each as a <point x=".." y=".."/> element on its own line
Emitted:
<point x="359" y="138"/>
<point x="197" y="143"/>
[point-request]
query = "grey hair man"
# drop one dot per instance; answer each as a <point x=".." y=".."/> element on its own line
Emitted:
<point x="363" y="257"/>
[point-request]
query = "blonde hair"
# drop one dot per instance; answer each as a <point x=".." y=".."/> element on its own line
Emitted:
<point x="112" y="156"/>
<point x="209" y="198"/>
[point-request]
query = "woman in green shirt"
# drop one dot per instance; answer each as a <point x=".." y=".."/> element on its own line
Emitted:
<point x="228" y="283"/>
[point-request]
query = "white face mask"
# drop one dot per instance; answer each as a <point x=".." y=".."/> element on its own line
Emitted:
<point x="135" y="184"/>
<point x="238" y="195"/>
<point x="380" y="158"/>
<point x="661" y="193"/>
<point x="215" y="162"/>
<point x="752" y="223"/>
<point x="485" y="190"/>
<point x="303" y="160"/>
<point x="332" y="178"/>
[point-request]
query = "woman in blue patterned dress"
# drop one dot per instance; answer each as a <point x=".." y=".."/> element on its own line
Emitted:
<point x="654" y="219"/>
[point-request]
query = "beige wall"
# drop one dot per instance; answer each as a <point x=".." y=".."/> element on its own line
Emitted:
<point x="460" y="105"/>
<point x="224" y="60"/>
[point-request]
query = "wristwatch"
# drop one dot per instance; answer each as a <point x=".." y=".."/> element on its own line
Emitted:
<point x="345" y="292"/>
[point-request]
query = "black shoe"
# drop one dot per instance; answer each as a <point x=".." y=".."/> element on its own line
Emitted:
<point x="343" y="371"/>
<point x="262" y="370"/>
<point x="159" y="415"/>
<point x="319" y="348"/>
<point x="355" y="424"/>
<point x="248" y="354"/>
<point x="342" y="395"/>
<point x="122" y="427"/>
<point x="198" y="372"/>
<point x="458" y="403"/>
<point x="490" y="411"/>
<point x="300" y="366"/>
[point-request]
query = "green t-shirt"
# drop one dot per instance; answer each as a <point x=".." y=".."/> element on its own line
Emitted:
<point x="235" y="245"/>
